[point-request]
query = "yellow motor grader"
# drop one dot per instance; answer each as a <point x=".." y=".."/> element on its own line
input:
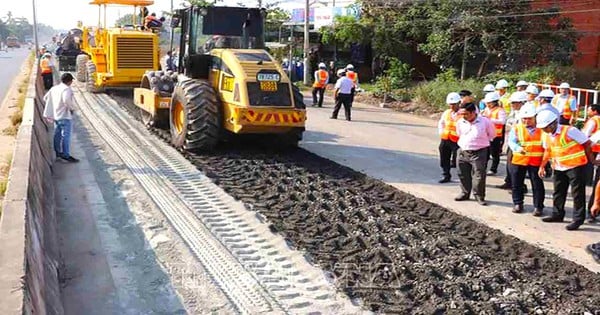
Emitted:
<point x="116" y="56"/>
<point x="229" y="86"/>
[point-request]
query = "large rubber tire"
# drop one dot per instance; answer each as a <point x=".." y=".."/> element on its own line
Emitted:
<point x="161" y="117"/>
<point x="201" y="125"/>
<point x="298" y="97"/>
<point x="81" y="67"/>
<point x="90" y="84"/>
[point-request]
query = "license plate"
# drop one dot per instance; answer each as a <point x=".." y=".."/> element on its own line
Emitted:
<point x="268" y="86"/>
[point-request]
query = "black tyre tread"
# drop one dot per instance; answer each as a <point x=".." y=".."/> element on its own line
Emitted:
<point x="90" y="73"/>
<point x="203" y="116"/>
<point x="298" y="97"/>
<point x="161" y="118"/>
<point x="81" y="67"/>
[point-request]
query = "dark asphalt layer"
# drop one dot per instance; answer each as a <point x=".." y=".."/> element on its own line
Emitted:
<point x="10" y="65"/>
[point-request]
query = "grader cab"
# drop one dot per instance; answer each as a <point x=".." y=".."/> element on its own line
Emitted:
<point x="116" y="56"/>
<point x="228" y="86"/>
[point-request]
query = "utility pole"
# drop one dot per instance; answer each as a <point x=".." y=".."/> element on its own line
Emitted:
<point x="172" y="30"/>
<point x="35" y="33"/>
<point x="306" y="43"/>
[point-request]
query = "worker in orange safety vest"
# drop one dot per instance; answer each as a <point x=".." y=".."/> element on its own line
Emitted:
<point x="449" y="138"/>
<point x="591" y="127"/>
<point x="566" y="105"/>
<point x="525" y="143"/>
<point x="570" y="151"/>
<point x="352" y="75"/>
<point x="496" y="114"/>
<point x="321" y="79"/>
<point x="46" y="70"/>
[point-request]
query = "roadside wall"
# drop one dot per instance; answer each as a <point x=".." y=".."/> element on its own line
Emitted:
<point x="28" y="240"/>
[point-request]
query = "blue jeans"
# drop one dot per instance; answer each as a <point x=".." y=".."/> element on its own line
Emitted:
<point x="62" y="137"/>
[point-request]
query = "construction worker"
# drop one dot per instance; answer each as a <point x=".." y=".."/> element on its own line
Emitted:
<point x="46" y="70"/>
<point x="475" y="134"/>
<point x="525" y="143"/>
<point x="517" y="100"/>
<point x="447" y="130"/>
<point x="566" y="105"/>
<point x="488" y="88"/>
<point x="592" y="126"/>
<point x="321" y="79"/>
<point x="343" y="95"/>
<point x="352" y="75"/>
<point x="545" y="99"/>
<point x="496" y="114"/>
<point x="570" y="151"/>
<point x="521" y="86"/>
<point x="532" y="94"/>
<point x="501" y="87"/>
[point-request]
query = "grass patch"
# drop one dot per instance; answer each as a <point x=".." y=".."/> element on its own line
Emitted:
<point x="4" y="169"/>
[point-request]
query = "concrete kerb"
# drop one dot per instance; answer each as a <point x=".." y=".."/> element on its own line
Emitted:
<point x="29" y="252"/>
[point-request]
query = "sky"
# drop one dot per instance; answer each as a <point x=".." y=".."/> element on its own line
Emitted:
<point x="64" y="14"/>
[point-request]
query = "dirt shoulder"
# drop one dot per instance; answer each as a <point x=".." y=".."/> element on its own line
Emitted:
<point x="8" y="108"/>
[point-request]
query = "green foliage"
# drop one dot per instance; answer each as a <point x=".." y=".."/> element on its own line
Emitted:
<point x="348" y="30"/>
<point x="549" y="74"/>
<point x="394" y="81"/>
<point x="127" y="19"/>
<point x="433" y="93"/>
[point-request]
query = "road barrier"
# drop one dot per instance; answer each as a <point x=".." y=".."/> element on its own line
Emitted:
<point x="29" y="257"/>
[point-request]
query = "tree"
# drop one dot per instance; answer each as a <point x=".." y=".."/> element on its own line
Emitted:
<point x="126" y="19"/>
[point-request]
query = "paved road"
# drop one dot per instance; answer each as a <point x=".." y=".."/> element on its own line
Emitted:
<point x="10" y="63"/>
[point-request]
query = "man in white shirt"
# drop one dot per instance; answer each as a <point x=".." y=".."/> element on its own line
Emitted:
<point x="566" y="104"/>
<point x="59" y="107"/>
<point x="343" y="95"/>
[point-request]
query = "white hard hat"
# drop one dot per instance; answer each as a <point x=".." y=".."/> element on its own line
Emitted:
<point x="527" y="111"/>
<point x="491" y="97"/>
<point x="522" y="83"/>
<point x="545" y="118"/>
<point x="519" y="96"/>
<point x="532" y="89"/>
<point x="453" y="98"/>
<point x="322" y="65"/>
<point x="341" y="72"/>
<point x="349" y="67"/>
<point x="547" y="93"/>
<point x="489" y="88"/>
<point x="502" y="84"/>
<point x="564" y="85"/>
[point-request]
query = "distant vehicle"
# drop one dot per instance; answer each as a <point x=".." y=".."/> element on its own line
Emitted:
<point x="12" y="42"/>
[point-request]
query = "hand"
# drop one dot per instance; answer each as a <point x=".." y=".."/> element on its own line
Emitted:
<point x="595" y="210"/>
<point x="542" y="172"/>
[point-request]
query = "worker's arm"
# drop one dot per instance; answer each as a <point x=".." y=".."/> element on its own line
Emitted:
<point x="441" y="124"/>
<point x="595" y="209"/>
<point x="588" y="127"/>
<point x="545" y="159"/>
<point x="575" y="110"/>
<point x="491" y="130"/>
<point x="501" y="118"/>
<point x="68" y="99"/>
<point x="513" y="142"/>
<point x="588" y="152"/>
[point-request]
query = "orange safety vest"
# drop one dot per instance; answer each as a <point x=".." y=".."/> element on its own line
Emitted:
<point x="352" y="76"/>
<point x="531" y="143"/>
<point x="45" y="66"/>
<point x="567" y="113"/>
<point x="449" y="132"/>
<point x="322" y="77"/>
<point x="494" y="114"/>
<point x="505" y="102"/>
<point x="565" y="150"/>
<point x="596" y="119"/>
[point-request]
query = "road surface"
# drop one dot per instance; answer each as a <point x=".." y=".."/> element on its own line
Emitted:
<point x="10" y="63"/>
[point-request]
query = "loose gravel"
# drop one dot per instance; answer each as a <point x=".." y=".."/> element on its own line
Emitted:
<point x="394" y="252"/>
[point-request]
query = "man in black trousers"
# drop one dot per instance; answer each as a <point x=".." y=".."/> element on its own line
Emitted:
<point x="343" y="95"/>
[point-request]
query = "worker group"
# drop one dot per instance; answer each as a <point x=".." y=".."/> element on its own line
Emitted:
<point x="537" y="127"/>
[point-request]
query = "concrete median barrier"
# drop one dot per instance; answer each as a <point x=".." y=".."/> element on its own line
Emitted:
<point x="29" y="257"/>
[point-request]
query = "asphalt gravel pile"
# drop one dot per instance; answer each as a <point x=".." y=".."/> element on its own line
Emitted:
<point x="393" y="252"/>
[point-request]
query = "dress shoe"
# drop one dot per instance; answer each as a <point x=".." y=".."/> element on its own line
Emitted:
<point x="461" y="197"/>
<point x="444" y="180"/>
<point x="332" y="117"/>
<point x="594" y="250"/>
<point x="537" y="212"/>
<point x="481" y="201"/>
<point x="517" y="209"/>
<point x="552" y="219"/>
<point x="592" y="220"/>
<point x="504" y="186"/>
<point x="491" y="173"/>
<point x="573" y="226"/>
